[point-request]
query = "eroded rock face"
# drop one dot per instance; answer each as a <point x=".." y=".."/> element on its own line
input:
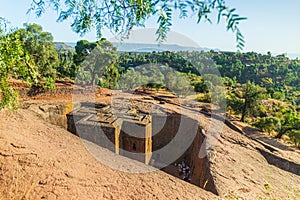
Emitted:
<point x="53" y="113"/>
<point x="201" y="166"/>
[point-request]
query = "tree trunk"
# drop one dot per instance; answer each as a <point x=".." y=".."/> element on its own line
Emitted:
<point x="244" y="110"/>
<point x="282" y="132"/>
<point x="93" y="79"/>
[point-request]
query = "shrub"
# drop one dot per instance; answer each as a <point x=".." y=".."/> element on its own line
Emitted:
<point x="206" y="98"/>
<point x="49" y="84"/>
<point x="295" y="137"/>
<point x="268" y="124"/>
<point x="202" y="86"/>
<point x="8" y="96"/>
<point x="234" y="103"/>
<point x="278" y="95"/>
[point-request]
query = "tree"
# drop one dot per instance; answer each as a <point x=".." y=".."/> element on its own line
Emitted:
<point x="268" y="124"/>
<point x="110" y="77"/>
<point x="121" y="16"/>
<point x="295" y="137"/>
<point x="67" y="67"/>
<point x="40" y="46"/>
<point x="290" y="122"/>
<point x="234" y="103"/>
<point x="15" y="62"/>
<point x="178" y="83"/>
<point x="99" y="58"/>
<point x="83" y="48"/>
<point x="252" y="94"/>
<point x="130" y="80"/>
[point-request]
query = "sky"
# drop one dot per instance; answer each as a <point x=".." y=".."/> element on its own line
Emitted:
<point x="272" y="25"/>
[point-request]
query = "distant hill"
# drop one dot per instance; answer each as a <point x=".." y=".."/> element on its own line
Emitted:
<point x="63" y="46"/>
<point x="293" y="55"/>
<point x="140" y="47"/>
<point x="72" y="44"/>
<point x="146" y="48"/>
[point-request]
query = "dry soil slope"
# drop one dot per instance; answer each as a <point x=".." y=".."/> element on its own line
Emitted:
<point x="41" y="161"/>
<point x="240" y="170"/>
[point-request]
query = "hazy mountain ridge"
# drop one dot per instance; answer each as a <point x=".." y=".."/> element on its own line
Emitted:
<point x="64" y="46"/>
<point x="140" y="47"/>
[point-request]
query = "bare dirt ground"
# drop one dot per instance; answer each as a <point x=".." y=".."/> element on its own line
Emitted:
<point x="239" y="168"/>
<point x="42" y="161"/>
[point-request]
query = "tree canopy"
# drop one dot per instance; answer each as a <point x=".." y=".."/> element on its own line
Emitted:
<point x="121" y="16"/>
<point x="14" y="62"/>
<point x="251" y="94"/>
<point x="95" y="57"/>
<point x="39" y="45"/>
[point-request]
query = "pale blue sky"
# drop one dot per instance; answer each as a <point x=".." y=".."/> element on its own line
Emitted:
<point x="272" y="25"/>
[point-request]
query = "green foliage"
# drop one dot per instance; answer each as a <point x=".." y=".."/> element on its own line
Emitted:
<point x="83" y="48"/>
<point x="206" y="98"/>
<point x="156" y="76"/>
<point x="290" y="123"/>
<point x="201" y="86"/>
<point x="283" y="120"/>
<point x="82" y="77"/>
<point x="295" y="137"/>
<point x="95" y="58"/>
<point x="178" y="83"/>
<point x="171" y="59"/>
<point x="234" y="104"/>
<point x="278" y="74"/>
<point x="41" y="48"/>
<point x="49" y="84"/>
<point x="230" y="83"/>
<point x="66" y="67"/>
<point x="268" y="124"/>
<point x="121" y="16"/>
<point x="278" y="95"/>
<point x="252" y="95"/>
<point x="9" y="97"/>
<point x="218" y="97"/>
<point x="39" y="57"/>
<point x="15" y="62"/>
<point x="207" y="83"/>
<point x="110" y="77"/>
<point x="27" y="54"/>
<point x="130" y="80"/>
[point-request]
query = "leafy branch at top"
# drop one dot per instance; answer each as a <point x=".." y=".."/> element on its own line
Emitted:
<point x="120" y="16"/>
